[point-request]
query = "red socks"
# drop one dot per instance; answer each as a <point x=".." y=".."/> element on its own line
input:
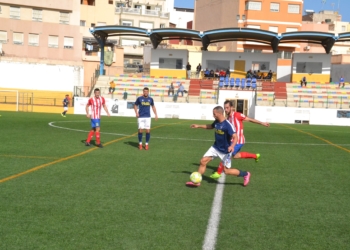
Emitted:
<point x="97" y="134"/>
<point x="90" y="135"/>
<point x="248" y="155"/>
<point x="220" y="168"/>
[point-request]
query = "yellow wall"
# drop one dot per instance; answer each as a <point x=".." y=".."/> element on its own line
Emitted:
<point x="178" y="73"/>
<point x="322" y="78"/>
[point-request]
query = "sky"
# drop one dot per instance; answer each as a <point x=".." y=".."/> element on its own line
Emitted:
<point x="316" y="5"/>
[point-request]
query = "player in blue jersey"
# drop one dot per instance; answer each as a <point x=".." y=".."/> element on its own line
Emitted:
<point x="142" y="109"/>
<point x="65" y="105"/>
<point x="341" y="82"/>
<point x="223" y="146"/>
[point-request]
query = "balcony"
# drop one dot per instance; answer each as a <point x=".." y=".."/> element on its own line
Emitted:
<point x="137" y="11"/>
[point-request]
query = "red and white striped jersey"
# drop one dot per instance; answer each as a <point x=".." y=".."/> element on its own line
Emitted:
<point x="96" y="105"/>
<point x="236" y="119"/>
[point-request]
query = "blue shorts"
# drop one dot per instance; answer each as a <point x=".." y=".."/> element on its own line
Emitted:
<point x="237" y="149"/>
<point x="95" y="123"/>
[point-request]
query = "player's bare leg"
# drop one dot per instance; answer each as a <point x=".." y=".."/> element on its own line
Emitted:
<point x="238" y="173"/>
<point x="202" y="167"/>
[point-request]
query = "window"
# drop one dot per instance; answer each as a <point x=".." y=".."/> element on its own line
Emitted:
<point x="162" y="25"/>
<point x="110" y="1"/>
<point x="92" y="25"/>
<point x="254" y="26"/>
<point x="3" y="36"/>
<point x="343" y="28"/>
<point x="68" y="42"/>
<point x="146" y="25"/>
<point x="53" y="41"/>
<point x="262" y="66"/>
<point x="252" y="5"/>
<point x="37" y="15"/>
<point x="248" y="50"/>
<point x="170" y="63"/>
<point x="17" y="38"/>
<point x="0" y="9"/>
<point x="309" y="67"/>
<point x="291" y="29"/>
<point x="137" y="6"/>
<point x="15" y="12"/>
<point x="127" y="23"/>
<point x="130" y="42"/>
<point x="33" y="39"/>
<point x="285" y="54"/>
<point x="64" y="17"/>
<point x="119" y="5"/>
<point x="82" y="23"/>
<point x="101" y="24"/>
<point x="273" y="29"/>
<point x="274" y="7"/>
<point x="294" y="8"/>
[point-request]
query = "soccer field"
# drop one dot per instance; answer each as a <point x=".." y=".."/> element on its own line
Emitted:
<point x="56" y="193"/>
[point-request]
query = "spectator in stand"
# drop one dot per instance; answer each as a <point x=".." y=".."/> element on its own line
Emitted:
<point x="249" y="74"/>
<point x="303" y="81"/>
<point x="217" y="73"/>
<point x="111" y="87"/>
<point x="228" y="73"/>
<point x="198" y="70"/>
<point x="207" y="72"/>
<point x="171" y="89"/>
<point x="269" y="75"/>
<point x="181" y="90"/>
<point x="188" y="69"/>
<point x="212" y="74"/>
<point x="222" y="73"/>
<point x="341" y="81"/>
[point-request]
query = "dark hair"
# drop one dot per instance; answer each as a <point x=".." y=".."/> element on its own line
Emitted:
<point x="97" y="89"/>
<point x="228" y="102"/>
<point x="219" y="109"/>
<point x="145" y="88"/>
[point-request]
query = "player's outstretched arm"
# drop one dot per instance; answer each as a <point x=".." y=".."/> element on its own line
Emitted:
<point x="106" y="109"/>
<point x="155" y="112"/>
<point x="208" y="126"/>
<point x="266" y="124"/>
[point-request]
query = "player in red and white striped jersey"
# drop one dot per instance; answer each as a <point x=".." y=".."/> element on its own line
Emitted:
<point x="95" y="104"/>
<point x="236" y="119"/>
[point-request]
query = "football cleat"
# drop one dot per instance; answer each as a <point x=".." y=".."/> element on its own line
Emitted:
<point x="140" y="146"/>
<point x="246" y="179"/>
<point x="215" y="176"/>
<point x="87" y="143"/>
<point x="99" y="145"/>
<point x="257" y="157"/>
<point x="146" y="147"/>
<point x="191" y="184"/>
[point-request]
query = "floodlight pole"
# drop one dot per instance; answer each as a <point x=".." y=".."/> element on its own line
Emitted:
<point x="101" y="39"/>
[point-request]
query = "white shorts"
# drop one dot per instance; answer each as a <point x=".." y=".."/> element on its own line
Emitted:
<point x="65" y="108"/>
<point x="225" y="158"/>
<point x="144" y="123"/>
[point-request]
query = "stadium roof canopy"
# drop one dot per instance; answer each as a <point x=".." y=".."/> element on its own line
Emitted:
<point x="327" y="40"/>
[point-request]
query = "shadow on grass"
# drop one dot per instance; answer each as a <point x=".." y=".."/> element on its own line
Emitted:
<point x="132" y="144"/>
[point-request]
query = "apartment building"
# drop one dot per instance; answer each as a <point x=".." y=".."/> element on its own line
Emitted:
<point x="274" y="15"/>
<point x="41" y="30"/>
<point x="147" y="14"/>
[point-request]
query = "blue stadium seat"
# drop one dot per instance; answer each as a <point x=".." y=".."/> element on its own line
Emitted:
<point x="248" y="81"/>
<point x="254" y="83"/>
<point x="232" y="82"/>
<point x="243" y="83"/>
<point x="221" y="82"/>
<point x="238" y="82"/>
<point x="227" y="82"/>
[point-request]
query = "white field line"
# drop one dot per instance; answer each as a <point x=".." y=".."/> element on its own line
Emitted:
<point x="191" y="139"/>
<point x="214" y="219"/>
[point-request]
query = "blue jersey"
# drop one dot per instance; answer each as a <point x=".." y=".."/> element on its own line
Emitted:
<point x="65" y="102"/>
<point x="223" y="135"/>
<point x="144" y="104"/>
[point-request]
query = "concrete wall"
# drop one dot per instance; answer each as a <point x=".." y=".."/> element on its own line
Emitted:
<point x="340" y="70"/>
<point x="289" y="115"/>
<point x="36" y="76"/>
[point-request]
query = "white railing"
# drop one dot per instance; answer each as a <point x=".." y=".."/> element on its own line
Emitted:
<point x="131" y="10"/>
<point x="118" y="9"/>
<point x="164" y="14"/>
<point x="151" y="12"/>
